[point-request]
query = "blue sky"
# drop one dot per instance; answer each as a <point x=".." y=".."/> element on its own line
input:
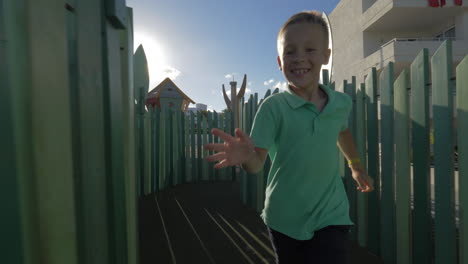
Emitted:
<point x="200" y="44"/>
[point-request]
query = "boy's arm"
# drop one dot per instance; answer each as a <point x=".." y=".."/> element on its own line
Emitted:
<point x="256" y="161"/>
<point x="348" y="148"/>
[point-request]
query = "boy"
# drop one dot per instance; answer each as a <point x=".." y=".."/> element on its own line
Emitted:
<point x="306" y="208"/>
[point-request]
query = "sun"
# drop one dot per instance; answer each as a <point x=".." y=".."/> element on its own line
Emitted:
<point x="154" y="55"/>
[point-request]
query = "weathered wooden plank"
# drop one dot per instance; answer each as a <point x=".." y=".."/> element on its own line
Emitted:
<point x="462" y="146"/>
<point x="387" y="210"/>
<point x="402" y="169"/>
<point x="422" y="241"/>
<point x="442" y="100"/>
<point x="373" y="162"/>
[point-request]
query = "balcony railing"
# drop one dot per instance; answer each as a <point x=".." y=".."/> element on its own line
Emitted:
<point x="418" y="39"/>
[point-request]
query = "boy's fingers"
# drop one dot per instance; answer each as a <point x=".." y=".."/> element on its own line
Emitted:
<point x="224" y="136"/>
<point x="216" y="157"/>
<point x="240" y="133"/>
<point x="222" y="164"/>
<point x="218" y="147"/>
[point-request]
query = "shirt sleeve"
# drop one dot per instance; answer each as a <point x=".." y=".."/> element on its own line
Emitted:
<point x="264" y="127"/>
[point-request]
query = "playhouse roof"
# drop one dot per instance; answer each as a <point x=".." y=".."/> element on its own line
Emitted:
<point x="156" y="92"/>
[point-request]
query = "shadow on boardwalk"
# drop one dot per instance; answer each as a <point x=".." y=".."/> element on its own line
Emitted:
<point x="207" y="223"/>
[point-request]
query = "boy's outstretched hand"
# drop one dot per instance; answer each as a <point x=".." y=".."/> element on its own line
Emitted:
<point x="234" y="151"/>
<point x="364" y="182"/>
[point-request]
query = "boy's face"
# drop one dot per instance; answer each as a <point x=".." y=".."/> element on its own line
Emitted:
<point x="302" y="53"/>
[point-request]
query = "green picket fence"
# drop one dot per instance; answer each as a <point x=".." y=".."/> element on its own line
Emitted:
<point x="398" y="220"/>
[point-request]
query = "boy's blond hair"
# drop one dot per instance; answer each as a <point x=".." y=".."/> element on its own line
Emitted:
<point x="313" y="17"/>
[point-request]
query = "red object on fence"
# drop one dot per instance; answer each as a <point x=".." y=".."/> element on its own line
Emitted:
<point x="434" y="3"/>
<point x="458" y="2"/>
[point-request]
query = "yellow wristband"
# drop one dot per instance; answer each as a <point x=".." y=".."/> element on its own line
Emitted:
<point x="354" y="161"/>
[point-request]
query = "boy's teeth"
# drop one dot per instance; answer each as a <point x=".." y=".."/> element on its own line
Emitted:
<point x="300" y="71"/>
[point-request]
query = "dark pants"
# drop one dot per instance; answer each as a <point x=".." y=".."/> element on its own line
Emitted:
<point x="328" y="246"/>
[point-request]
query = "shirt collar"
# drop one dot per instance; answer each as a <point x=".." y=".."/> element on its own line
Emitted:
<point x="296" y="101"/>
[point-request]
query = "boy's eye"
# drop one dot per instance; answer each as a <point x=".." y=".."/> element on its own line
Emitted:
<point x="289" y="52"/>
<point x="310" y="50"/>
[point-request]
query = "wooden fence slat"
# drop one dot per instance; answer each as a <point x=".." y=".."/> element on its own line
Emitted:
<point x="325" y="78"/>
<point x="175" y="148"/>
<point x="210" y="140"/>
<point x="402" y="169"/>
<point x="221" y="126"/>
<point x="205" y="176"/>
<point x="194" y="163"/>
<point x="442" y="99"/>
<point x="163" y="176"/>
<point x="199" y="150"/>
<point x="420" y="123"/>
<point x="350" y="89"/>
<point x="373" y="161"/>
<point x="462" y="120"/>
<point x="360" y="135"/>
<point x="148" y="157"/>
<point x="157" y="144"/>
<point x="187" y="149"/>
<point x="216" y="120"/>
<point x="387" y="211"/>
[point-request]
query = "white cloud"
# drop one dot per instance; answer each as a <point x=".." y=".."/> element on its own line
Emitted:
<point x="281" y="86"/>
<point x="171" y="72"/>
<point x="266" y="83"/>
<point x="230" y="75"/>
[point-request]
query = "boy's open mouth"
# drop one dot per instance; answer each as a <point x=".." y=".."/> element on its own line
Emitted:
<point x="300" y="71"/>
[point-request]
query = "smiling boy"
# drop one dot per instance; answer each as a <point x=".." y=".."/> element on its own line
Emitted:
<point x="306" y="208"/>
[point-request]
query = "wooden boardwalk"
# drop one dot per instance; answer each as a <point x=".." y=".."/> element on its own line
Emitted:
<point x="207" y="223"/>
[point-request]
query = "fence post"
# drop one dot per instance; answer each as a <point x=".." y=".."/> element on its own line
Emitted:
<point x="442" y="99"/>
<point x="210" y="140"/>
<point x="350" y="89"/>
<point x="402" y="169"/>
<point x="373" y="161"/>
<point x="193" y="134"/>
<point x="462" y="118"/>
<point x="388" y="181"/>
<point x="360" y="135"/>
<point x="419" y="107"/>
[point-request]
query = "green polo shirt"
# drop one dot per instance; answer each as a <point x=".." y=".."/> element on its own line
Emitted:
<point x="304" y="191"/>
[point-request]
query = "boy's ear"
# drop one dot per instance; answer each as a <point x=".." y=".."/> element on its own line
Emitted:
<point x="279" y="63"/>
<point x="327" y="56"/>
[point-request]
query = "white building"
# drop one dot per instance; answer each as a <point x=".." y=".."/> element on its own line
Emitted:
<point x="371" y="33"/>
